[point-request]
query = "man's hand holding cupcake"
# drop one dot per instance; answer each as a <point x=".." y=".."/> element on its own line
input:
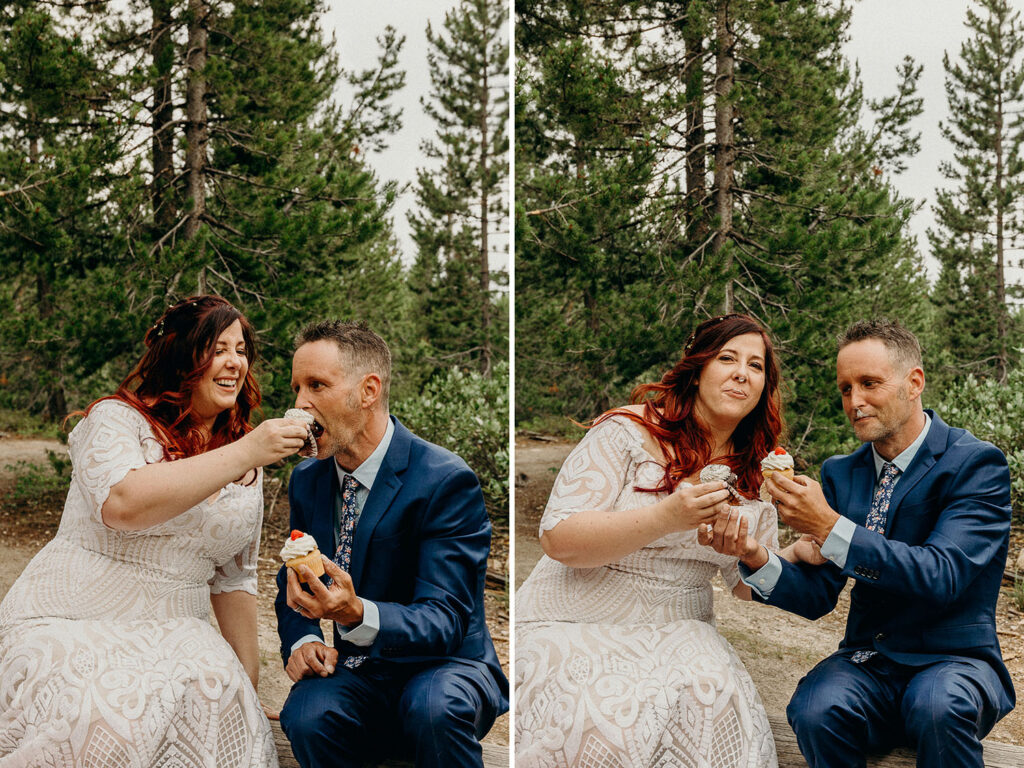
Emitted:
<point x="801" y="504"/>
<point x="336" y="603"/>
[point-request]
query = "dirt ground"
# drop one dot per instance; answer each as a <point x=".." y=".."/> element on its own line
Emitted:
<point x="776" y="647"/>
<point x="24" y="530"/>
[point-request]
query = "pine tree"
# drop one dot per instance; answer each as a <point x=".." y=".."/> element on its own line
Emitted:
<point x="645" y="206"/>
<point x="978" y="220"/>
<point x="183" y="146"/>
<point x="56" y="159"/>
<point x="462" y="203"/>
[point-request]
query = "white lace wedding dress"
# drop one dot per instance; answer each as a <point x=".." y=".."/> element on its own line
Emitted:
<point x="621" y="666"/>
<point x="107" y="656"/>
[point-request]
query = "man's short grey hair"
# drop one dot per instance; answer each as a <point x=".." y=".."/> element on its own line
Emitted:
<point x="903" y="346"/>
<point x="361" y="348"/>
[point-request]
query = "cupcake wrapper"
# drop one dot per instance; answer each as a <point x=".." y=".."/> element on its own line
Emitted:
<point x="313" y="561"/>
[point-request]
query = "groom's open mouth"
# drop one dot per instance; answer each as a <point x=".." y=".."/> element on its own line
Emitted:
<point x="317" y="429"/>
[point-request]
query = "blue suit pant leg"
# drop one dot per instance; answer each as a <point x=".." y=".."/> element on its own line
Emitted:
<point x="325" y="718"/>
<point x="947" y="709"/>
<point x="840" y="711"/>
<point x="444" y="711"/>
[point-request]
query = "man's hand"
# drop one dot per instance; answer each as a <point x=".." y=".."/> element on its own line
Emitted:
<point x="802" y="505"/>
<point x="728" y="536"/>
<point x="335" y="603"/>
<point x="807" y="550"/>
<point x="311" y="659"/>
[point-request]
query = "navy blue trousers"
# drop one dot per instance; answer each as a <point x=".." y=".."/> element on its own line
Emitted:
<point x="434" y="714"/>
<point x="841" y="711"/>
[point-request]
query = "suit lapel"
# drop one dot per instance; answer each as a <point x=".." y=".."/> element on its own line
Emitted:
<point x="385" y="487"/>
<point x="932" y="447"/>
<point x="862" y="485"/>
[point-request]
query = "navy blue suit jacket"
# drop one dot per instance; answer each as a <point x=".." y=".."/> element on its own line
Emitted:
<point x="420" y="553"/>
<point x="926" y="590"/>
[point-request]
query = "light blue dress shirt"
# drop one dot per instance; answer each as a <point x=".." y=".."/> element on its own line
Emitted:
<point x="363" y="634"/>
<point x="836" y="546"/>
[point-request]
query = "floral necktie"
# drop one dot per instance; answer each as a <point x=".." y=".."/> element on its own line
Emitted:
<point x="343" y="556"/>
<point x="883" y="495"/>
<point x="349" y="513"/>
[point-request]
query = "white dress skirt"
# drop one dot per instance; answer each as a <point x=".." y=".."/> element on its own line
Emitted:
<point x="107" y="655"/>
<point x="621" y="666"/>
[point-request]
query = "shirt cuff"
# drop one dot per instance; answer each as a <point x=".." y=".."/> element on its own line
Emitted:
<point x="364" y="634"/>
<point x="307" y="639"/>
<point x="837" y="544"/>
<point x="764" y="579"/>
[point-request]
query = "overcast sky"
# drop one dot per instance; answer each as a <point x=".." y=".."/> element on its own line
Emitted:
<point x="357" y="24"/>
<point x="881" y="34"/>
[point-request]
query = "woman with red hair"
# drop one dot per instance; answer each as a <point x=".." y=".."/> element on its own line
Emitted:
<point x="618" y="661"/>
<point x="107" y="654"/>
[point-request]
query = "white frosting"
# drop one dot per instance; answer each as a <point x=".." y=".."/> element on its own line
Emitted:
<point x="309" y="447"/>
<point x="298" y="547"/>
<point x="777" y="462"/>
<point x="299" y="415"/>
<point x="713" y="472"/>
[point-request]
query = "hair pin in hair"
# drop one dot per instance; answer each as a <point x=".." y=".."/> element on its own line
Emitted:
<point x="708" y="323"/>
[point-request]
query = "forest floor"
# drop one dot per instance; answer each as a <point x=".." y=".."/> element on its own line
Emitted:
<point x="26" y="525"/>
<point x="777" y="648"/>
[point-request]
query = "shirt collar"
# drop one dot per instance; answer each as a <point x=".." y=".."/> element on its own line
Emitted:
<point x="366" y="472"/>
<point x="903" y="460"/>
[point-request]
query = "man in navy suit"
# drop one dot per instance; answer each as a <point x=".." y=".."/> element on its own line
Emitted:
<point x="412" y="669"/>
<point x="919" y="518"/>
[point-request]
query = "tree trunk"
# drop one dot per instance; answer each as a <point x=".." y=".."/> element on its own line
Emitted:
<point x="1002" y="364"/>
<point x="196" y="133"/>
<point x="696" y="153"/>
<point x="485" y="270"/>
<point x="162" y="53"/>
<point x="725" y="151"/>
<point x="599" y="371"/>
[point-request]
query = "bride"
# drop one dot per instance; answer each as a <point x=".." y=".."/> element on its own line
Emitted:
<point x="107" y="655"/>
<point x="618" y="662"/>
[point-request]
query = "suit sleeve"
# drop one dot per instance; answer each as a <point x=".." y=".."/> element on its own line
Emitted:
<point x="454" y="542"/>
<point x="290" y="625"/>
<point x="810" y="591"/>
<point x="968" y="533"/>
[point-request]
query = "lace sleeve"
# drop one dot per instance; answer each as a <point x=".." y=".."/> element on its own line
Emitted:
<point x="239" y="573"/>
<point x="105" y="446"/>
<point x="594" y="473"/>
<point x="767" y="531"/>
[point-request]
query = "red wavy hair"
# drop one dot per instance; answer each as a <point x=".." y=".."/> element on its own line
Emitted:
<point x="669" y="416"/>
<point x="179" y="349"/>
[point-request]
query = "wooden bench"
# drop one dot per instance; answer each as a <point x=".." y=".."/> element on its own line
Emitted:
<point x="495" y="755"/>
<point x="997" y="755"/>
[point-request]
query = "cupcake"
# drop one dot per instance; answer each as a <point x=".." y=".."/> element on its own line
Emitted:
<point x="776" y="461"/>
<point x="309" y="447"/>
<point x="742" y="505"/>
<point x="301" y="549"/>
<point x="719" y="472"/>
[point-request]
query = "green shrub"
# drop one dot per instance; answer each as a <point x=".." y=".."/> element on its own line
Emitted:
<point x="991" y="412"/>
<point x="25" y="424"/>
<point x="36" y="484"/>
<point x="468" y="414"/>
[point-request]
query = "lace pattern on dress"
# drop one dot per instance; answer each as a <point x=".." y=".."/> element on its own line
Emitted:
<point x="107" y="656"/>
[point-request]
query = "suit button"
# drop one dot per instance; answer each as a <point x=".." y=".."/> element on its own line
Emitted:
<point x="880" y="637"/>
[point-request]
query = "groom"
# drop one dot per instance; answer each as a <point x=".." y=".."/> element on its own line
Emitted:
<point x="919" y="518"/>
<point x="412" y="668"/>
